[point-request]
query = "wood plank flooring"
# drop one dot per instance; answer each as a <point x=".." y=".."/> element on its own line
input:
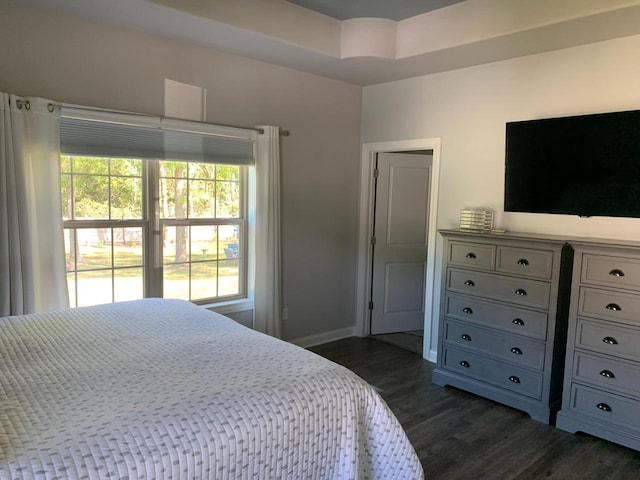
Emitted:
<point x="458" y="435"/>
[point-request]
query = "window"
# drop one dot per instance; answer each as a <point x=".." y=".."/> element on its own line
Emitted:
<point x="105" y="225"/>
<point x="109" y="207"/>
<point x="202" y="217"/>
<point x="140" y="224"/>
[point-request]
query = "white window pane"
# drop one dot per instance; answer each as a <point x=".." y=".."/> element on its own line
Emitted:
<point x="176" y="244"/>
<point x="90" y="197"/>
<point x="228" y="172"/>
<point x="126" y="198"/>
<point x="227" y="200"/>
<point x="202" y="199"/>
<point x="229" y="240"/>
<point x="131" y="167"/>
<point x="167" y="198"/>
<point x="203" y="280"/>
<point x="128" y="284"/>
<point x="90" y="165"/>
<point x="228" y="278"/>
<point x="71" y="285"/>
<point x="94" y="287"/>
<point x="204" y="242"/>
<point x="173" y="189"/>
<point x="127" y="247"/>
<point x="67" y="196"/>
<point x="176" y="281"/>
<point x="93" y="248"/>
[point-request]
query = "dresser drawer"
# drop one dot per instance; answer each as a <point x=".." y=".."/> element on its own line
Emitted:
<point x="527" y="262"/>
<point x="611" y="271"/>
<point x="509" y="377"/>
<point x="604" y="337"/>
<point x="472" y="255"/>
<point x="511" y="348"/>
<point x="609" y="304"/>
<point x="534" y="293"/>
<point x="607" y="372"/>
<point x="510" y="319"/>
<point x="605" y="407"/>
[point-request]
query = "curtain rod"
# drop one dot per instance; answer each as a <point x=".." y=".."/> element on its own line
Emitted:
<point x="51" y="106"/>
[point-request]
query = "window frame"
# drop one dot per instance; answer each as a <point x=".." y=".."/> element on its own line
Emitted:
<point x="152" y="233"/>
<point x="157" y="224"/>
<point x="83" y="131"/>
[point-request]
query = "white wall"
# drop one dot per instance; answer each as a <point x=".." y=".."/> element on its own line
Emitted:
<point x="468" y="109"/>
<point x="68" y="59"/>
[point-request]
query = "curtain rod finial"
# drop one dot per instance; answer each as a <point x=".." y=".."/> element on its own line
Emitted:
<point x="283" y="133"/>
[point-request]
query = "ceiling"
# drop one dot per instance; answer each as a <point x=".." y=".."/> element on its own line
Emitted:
<point x="396" y="39"/>
<point x="389" y="9"/>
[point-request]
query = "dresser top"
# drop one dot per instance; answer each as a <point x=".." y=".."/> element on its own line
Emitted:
<point x="507" y="235"/>
<point x="573" y="240"/>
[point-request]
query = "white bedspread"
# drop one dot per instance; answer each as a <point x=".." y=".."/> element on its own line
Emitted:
<point x="167" y="390"/>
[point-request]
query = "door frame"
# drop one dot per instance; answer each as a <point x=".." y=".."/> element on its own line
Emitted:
<point x="365" y="208"/>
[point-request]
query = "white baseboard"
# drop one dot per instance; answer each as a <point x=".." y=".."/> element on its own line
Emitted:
<point x="326" y="337"/>
<point x="433" y="356"/>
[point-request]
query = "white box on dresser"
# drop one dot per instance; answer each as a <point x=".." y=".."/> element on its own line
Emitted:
<point x="601" y="393"/>
<point x="503" y="317"/>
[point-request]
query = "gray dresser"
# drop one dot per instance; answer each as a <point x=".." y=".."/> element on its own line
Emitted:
<point x="502" y="329"/>
<point x="602" y="370"/>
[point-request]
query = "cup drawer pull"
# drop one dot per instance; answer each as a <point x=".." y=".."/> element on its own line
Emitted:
<point x="610" y="340"/>
<point x="523" y="262"/>
<point x="614" y="307"/>
<point x="607" y="374"/>
<point x="469" y="283"/>
<point x="514" y="379"/>
<point x="516" y="351"/>
<point x="616" y="272"/>
<point x="604" y="407"/>
<point x="518" y="321"/>
<point x="465" y="364"/>
<point x="467" y="310"/>
<point x="521" y="291"/>
<point x="471" y="255"/>
<point x="465" y="337"/>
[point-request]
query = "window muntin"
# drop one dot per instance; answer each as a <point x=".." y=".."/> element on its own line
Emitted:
<point x="199" y="190"/>
<point x="202" y="230"/>
<point x="95" y="188"/>
<point x="104" y="264"/>
<point x="108" y="213"/>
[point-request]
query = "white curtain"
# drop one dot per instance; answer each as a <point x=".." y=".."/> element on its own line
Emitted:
<point x="267" y="306"/>
<point x="32" y="265"/>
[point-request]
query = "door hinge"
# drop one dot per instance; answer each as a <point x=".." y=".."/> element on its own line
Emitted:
<point x="370" y="305"/>
<point x="373" y="240"/>
<point x="375" y="173"/>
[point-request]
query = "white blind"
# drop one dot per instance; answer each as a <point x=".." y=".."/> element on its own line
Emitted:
<point x="107" y="134"/>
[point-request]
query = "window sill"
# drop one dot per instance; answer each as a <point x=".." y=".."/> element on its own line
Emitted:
<point x="230" y="306"/>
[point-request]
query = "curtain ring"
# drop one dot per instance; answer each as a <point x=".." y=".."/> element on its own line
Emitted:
<point x="23" y="103"/>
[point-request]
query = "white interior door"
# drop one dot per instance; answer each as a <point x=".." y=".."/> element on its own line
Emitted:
<point x="400" y="248"/>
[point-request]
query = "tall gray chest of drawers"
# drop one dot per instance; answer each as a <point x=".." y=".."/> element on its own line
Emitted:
<point x="502" y="330"/>
<point x="602" y="370"/>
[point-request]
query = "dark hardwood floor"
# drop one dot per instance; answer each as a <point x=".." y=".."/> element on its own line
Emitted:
<point x="458" y="435"/>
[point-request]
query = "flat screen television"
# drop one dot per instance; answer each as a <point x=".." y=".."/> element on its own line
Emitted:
<point x="587" y="165"/>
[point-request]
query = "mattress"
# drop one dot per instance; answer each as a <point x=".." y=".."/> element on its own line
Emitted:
<point x="164" y="389"/>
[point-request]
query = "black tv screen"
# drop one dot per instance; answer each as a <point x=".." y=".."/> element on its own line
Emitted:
<point x="586" y="165"/>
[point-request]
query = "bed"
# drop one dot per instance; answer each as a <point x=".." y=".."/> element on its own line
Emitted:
<point x="164" y="389"/>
